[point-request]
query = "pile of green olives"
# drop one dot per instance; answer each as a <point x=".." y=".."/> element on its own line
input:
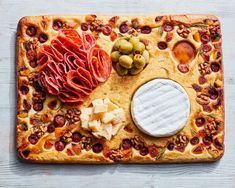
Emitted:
<point x="129" y="56"/>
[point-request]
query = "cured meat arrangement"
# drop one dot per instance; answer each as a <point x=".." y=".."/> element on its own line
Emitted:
<point x="72" y="66"/>
<point x="119" y="89"/>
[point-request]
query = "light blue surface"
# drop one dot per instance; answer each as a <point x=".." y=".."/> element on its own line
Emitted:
<point x="16" y="174"/>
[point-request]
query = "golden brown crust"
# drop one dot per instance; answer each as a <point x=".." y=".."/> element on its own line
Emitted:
<point x="38" y="153"/>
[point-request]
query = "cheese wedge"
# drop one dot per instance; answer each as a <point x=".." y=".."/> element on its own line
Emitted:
<point x="103" y="119"/>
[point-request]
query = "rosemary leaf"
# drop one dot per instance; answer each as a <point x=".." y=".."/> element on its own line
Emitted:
<point x="161" y="152"/>
<point x="193" y="132"/>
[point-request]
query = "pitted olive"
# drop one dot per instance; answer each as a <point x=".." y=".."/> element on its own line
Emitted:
<point x="126" y="61"/>
<point x="139" y="48"/>
<point x="121" y="70"/>
<point x="139" y="61"/>
<point x="115" y="56"/>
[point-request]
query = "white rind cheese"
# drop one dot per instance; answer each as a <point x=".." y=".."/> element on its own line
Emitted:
<point x="160" y="108"/>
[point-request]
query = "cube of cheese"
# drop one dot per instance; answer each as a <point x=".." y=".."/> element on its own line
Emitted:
<point x="104" y="119"/>
<point x="84" y="120"/>
<point x="97" y="102"/>
<point x="85" y="117"/>
<point x="116" y="128"/>
<point x="108" y="117"/>
<point x="99" y="108"/>
<point x="119" y="116"/>
<point x="94" y="125"/>
<point x="111" y="105"/>
<point x="86" y="111"/>
<point x="84" y="124"/>
<point x="97" y="134"/>
<point x="108" y="127"/>
<point x="105" y="132"/>
<point x="106" y="101"/>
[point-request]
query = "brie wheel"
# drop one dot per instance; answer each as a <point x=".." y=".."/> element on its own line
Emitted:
<point x="160" y="108"/>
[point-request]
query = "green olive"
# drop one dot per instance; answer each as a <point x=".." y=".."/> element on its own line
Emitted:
<point x="139" y="61"/>
<point x="134" y="70"/>
<point x="126" y="61"/>
<point x="146" y="56"/>
<point x="125" y="47"/>
<point x="115" y="56"/>
<point x="139" y="48"/>
<point x="121" y="70"/>
<point x="134" y="40"/>
<point x="116" y="46"/>
<point x="131" y="56"/>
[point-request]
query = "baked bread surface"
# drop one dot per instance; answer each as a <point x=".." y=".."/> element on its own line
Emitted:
<point x="120" y="89"/>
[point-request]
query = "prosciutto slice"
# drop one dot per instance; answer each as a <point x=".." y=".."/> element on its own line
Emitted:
<point x="73" y="65"/>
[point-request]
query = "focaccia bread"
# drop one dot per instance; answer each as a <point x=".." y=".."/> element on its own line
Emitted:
<point x="76" y="76"/>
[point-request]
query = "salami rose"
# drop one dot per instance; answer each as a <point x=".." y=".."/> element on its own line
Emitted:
<point x="73" y="65"/>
